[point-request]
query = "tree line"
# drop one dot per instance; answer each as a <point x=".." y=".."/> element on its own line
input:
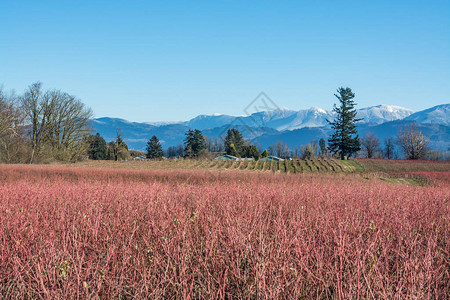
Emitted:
<point x="43" y="125"/>
<point x="343" y="143"/>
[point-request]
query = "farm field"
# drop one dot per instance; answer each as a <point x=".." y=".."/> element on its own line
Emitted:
<point x="394" y="171"/>
<point x="190" y="229"/>
<point x="293" y="167"/>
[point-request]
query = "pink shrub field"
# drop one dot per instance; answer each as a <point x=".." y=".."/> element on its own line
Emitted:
<point x="102" y="233"/>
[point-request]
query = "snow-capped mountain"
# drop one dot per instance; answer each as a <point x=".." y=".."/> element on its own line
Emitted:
<point x="439" y="114"/>
<point x="290" y="120"/>
<point x="383" y="113"/>
<point x="202" y="122"/>
<point x="285" y="119"/>
<point x="283" y="124"/>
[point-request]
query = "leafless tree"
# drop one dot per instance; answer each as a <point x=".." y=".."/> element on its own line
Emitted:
<point x="297" y="151"/>
<point x="281" y="149"/>
<point x="11" y="129"/>
<point x="310" y="151"/>
<point x="307" y="152"/>
<point x="412" y="141"/>
<point x="33" y="109"/>
<point x="57" y="121"/>
<point x="370" y="143"/>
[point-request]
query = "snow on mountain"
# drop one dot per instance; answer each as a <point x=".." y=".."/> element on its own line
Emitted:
<point x="316" y="117"/>
<point x="383" y="113"/>
<point x="163" y="123"/>
<point x="313" y="117"/>
<point x="202" y="122"/>
<point x="439" y="114"/>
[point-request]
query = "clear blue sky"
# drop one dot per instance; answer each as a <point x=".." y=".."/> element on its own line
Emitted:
<point x="167" y="60"/>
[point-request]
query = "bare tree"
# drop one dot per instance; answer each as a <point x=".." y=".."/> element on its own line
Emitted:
<point x="412" y="141"/>
<point x="6" y="114"/>
<point x="388" y="148"/>
<point x="33" y="109"/>
<point x="58" y="122"/>
<point x="370" y="143"/>
<point x="12" y="143"/>
<point x="281" y="149"/>
<point x="297" y="151"/>
<point x="307" y="152"/>
<point x="310" y="151"/>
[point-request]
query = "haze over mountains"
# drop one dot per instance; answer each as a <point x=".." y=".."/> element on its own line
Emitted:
<point x="292" y="127"/>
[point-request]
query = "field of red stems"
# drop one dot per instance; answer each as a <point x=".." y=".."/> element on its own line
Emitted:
<point x="197" y="234"/>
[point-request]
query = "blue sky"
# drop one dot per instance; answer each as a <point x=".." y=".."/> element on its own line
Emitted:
<point x="172" y="60"/>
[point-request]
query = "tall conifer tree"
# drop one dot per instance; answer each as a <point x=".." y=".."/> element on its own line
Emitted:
<point x="345" y="139"/>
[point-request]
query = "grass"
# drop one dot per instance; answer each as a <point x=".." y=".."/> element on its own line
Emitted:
<point x="351" y="166"/>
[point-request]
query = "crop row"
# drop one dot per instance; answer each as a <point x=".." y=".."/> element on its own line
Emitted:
<point x="285" y="166"/>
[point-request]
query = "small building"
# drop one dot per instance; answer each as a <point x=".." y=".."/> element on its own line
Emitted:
<point x="271" y="157"/>
<point x="227" y="157"/>
<point x="140" y="158"/>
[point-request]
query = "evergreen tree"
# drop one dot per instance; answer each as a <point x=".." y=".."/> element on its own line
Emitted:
<point x="233" y="137"/>
<point x="199" y="142"/>
<point x="188" y="153"/>
<point x="154" y="148"/>
<point x="96" y="147"/>
<point x="345" y="139"/>
<point x="188" y="142"/>
<point x="194" y="143"/>
<point x="323" y="148"/>
<point x="110" y="151"/>
<point x="265" y="153"/>
<point x="117" y="150"/>
<point x="233" y="151"/>
<point x="250" y="151"/>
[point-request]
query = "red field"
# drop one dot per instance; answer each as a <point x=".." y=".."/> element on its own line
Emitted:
<point x="86" y="232"/>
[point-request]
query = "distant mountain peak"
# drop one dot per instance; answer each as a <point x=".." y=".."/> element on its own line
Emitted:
<point x="383" y="113"/>
<point x="318" y="109"/>
<point x="439" y="114"/>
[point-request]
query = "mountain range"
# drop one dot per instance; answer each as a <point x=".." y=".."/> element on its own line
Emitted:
<point x="292" y="127"/>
